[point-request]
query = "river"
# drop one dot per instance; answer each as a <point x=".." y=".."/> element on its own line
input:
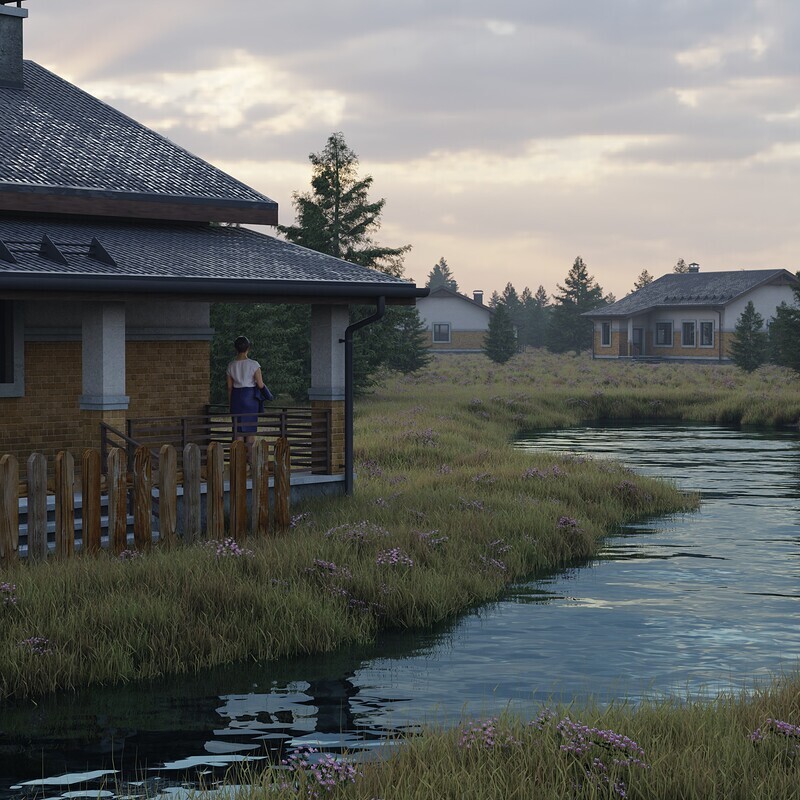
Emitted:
<point x="686" y="605"/>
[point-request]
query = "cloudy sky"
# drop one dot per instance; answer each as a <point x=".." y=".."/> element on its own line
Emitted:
<point x="508" y="137"/>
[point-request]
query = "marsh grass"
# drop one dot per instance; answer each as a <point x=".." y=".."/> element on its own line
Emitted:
<point x="659" y="749"/>
<point x="446" y="513"/>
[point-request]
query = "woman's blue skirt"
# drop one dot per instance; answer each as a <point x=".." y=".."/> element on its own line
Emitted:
<point x="244" y="407"/>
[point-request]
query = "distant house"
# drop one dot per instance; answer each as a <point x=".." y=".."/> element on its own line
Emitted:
<point x="110" y="255"/>
<point x="687" y="316"/>
<point x="455" y="322"/>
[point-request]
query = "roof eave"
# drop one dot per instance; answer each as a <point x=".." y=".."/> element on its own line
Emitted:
<point x="210" y="288"/>
<point x="136" y="205"/>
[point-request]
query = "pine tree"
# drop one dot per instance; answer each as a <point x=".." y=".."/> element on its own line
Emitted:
<point x="681" y="267"/>
<point x="569" y="330"/>
<point x="441" y="275"/>
<point x="784" y="334"/>
<point x="749" y="346"/>
<point x="336" y="217"/>
<point x="500" y="342"/>
<point x="538" y="314"/>
<point x="644" y="279"/>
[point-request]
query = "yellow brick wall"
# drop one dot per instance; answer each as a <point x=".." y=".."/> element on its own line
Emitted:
<point x="336" y="464"/>
<point x="166" y="379"/>
<point x="461" y="340"/>
<point x="48" y="418"/>
<point x="619" y="344"/>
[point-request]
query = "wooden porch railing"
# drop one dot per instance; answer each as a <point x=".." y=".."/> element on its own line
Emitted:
<point x="307" y="430"/>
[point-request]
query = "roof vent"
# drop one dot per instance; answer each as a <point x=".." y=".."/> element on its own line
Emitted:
<point x="11" y="44"/>
<point x="477" y="296"/>
<point x="694" y="267"/>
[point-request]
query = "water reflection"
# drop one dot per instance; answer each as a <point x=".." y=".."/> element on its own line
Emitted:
<point x="689" y="604"/>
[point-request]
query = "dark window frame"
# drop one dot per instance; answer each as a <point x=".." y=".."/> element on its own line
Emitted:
<point x="12" y="378"/>
<point x="438" y="328"/>
<point x="666" y="326"/>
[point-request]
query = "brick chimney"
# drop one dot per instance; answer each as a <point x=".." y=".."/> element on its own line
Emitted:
<point x="694" y="267"/>
<point x="477" y="296"/>
<point x="11" y="43"/>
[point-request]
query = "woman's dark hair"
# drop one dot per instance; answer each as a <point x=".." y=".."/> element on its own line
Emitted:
<point x="242" y="344"/>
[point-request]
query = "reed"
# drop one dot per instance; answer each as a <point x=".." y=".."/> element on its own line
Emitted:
<point x="445" y="514"/>
<point x="721" y="748"/>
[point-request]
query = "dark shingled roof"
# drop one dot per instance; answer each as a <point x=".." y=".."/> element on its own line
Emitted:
<point x="190" y="258"/>
<point x="693" y="289"/>
<point x="53" y="134"/>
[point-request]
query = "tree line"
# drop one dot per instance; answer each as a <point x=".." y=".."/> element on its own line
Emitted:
<point x="338" y="218"/>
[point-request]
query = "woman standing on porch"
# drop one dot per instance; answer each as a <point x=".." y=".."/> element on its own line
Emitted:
<point x="244" y="377"/>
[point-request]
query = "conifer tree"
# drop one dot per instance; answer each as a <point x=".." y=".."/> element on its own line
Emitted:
<point x="749" y="346"/>
<point x="784" y="334"/>
<point x="338" y="218"/>
<point x="441" y="275"/>
<point x="500" y="342"/>
<point x="568" y="329"/>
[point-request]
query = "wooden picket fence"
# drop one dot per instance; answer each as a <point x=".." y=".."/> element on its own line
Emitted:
<point x="119" y="484"/>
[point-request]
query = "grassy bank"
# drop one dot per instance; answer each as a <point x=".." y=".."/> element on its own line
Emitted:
<point x="727" y="749"/>
<point x="445" y="514"/>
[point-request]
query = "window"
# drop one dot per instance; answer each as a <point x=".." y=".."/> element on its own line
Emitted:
<point x="441" y="331"/>
<point x="706" y="334"/>
<point x="688" y="335"/>
<point x="11" y="352"/>
<point x="664" y="334"/>
<point x="605" y="334"/>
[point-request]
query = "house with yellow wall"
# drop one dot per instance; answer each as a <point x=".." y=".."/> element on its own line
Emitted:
<point x="687" y="316"/>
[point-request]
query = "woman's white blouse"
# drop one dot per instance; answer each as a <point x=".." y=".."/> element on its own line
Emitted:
<point x="242" y="372"/>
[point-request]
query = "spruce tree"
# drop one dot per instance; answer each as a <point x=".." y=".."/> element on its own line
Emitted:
<point x="441" y="275"/>
<point x="749" y="346"/>
<point x="500" y="342"/>
<point x="568" y="329"/>
<point x="784" y="335"/>
<point x="338" y="218"/>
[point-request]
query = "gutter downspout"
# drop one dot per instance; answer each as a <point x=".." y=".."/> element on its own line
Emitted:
<point x="348" y="389"/>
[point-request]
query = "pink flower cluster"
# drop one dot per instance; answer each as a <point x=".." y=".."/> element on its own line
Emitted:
<point x="229" y="548"/>
<point x="326" y="773"/>
<point x="38" y="645"/>
<point x="394" y="558"/>
<point x="777" y="727"/>
<point x="8" y="594"/>
<point x="485" y="735"/>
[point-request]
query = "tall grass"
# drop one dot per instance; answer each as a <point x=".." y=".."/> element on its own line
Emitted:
<point x="697" y="751"/>
<point x="445" y="514"/>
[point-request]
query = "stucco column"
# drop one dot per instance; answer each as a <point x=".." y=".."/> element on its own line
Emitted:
<point x="328" y="324"/>
<point x="630" y="337"/>
<point x="103" y="357"/>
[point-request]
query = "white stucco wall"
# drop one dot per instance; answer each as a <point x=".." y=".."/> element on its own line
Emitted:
<point x="462" y="315"/>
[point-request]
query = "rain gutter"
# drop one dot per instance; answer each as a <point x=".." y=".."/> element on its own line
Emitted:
<point x="348" y="389"/>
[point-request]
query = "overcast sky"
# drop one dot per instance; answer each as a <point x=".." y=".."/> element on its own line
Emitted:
<point x="508" y="137"/>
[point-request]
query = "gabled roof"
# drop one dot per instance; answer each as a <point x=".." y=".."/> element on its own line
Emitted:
<point x="446" y="292"/>
<point x="705" y="289"/>
<point x="64" y="151"/>
<point x="53" y="256"/>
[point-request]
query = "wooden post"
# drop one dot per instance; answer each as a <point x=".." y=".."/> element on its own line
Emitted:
<point x="282" y="483"/>
<point x="167" y="494"/>
<point x="90" y="500"/>
<point x="9" y="509"/>
<point x="117" y="501"/>
<point x="238" y="496"/>
<point x="260" y="501"/>
<point x="191" y="493"/>
<point x="215" y="492"/>
<point x="65" y="504"/>
<point x="37" y="507"/>
<point x="142" y="499"/>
